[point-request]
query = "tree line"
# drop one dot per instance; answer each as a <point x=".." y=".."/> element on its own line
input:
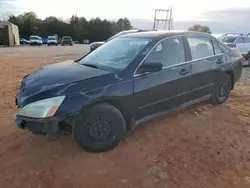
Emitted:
<point x="78" y="28"/>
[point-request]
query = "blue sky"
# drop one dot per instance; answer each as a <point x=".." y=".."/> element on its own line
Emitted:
<point x="220" y="15"/>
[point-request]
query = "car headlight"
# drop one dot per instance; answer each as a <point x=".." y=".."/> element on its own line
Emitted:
<point x="43" y="108"/>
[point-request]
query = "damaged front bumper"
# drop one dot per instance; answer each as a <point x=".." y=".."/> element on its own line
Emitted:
<point x="52" y="128"/>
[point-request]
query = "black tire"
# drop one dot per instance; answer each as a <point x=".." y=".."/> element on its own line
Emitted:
<point x="48" y="44"/>
<point x="222" y="89"/>
<point x="100" y="128"/>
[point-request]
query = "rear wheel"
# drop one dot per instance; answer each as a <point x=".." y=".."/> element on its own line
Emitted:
<point x="100" y="128"/>
<point x="222" y="89"/>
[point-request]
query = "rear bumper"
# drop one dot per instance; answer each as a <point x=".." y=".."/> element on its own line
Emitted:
<point x="52" y="127"/>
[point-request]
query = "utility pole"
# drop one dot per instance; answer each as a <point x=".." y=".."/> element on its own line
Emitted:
<point x="167" y="21"/>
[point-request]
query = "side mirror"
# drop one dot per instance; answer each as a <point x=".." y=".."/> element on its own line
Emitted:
<point x="150" y="67"/>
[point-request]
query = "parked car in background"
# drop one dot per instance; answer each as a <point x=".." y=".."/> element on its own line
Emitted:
<point x="44" y="40"/>
<point x="131" y="79"/>
<point x="67" y="40"/>
<point x="23" y="41"/>
<point x="95" y="45"/>
<point x="35" y="40"/>
<point x="86" y="41"/>
<point x="238" y="41"/>
<point x="51" y="40"/>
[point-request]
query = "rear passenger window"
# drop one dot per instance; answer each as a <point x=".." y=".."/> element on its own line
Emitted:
<point x="201" y="47"/>
<point x="217" y="50"/>
<point x="170" y="52"/>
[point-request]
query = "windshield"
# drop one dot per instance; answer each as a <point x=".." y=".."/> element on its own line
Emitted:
<point x="35" y="38"/>
<point x="228" y="39"/>
<point x="51" y="38"/>
<point x="116" y="54"/>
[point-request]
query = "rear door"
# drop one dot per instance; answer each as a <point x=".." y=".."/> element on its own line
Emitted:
<point x="207" y="60"/>
<point x="168" y="88"/>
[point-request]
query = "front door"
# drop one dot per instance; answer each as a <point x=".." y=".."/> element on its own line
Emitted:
<point x="168" y="88"/>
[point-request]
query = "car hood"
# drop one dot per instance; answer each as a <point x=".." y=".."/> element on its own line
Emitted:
<point x="56" y="75"/>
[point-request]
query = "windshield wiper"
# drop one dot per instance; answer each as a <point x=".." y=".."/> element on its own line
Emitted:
<point x="90" y="65"/>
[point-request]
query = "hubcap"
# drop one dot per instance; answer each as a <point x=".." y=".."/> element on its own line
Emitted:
<point x="99" y="129"/>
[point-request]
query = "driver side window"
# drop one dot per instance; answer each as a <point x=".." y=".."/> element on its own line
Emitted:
<point x="169" y="52"/>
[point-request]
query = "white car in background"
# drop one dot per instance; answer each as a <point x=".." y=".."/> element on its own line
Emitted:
<point x="238" y="41"/>
<point x="36" y="40"/>
<point x="51" y="40"/>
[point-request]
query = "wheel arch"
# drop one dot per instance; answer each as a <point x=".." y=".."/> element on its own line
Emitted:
<point x="231" y="74"/>
<point x="118" y="104"/>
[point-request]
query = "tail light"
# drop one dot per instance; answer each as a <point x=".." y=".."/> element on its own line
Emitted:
<point x="242" y="59"/>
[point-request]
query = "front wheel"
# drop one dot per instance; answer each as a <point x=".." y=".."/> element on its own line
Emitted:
<point x="222" y="89"/>
<point x="100" y="128"/>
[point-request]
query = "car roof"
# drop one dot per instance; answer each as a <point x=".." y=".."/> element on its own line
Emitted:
<point x="162" y="34"/>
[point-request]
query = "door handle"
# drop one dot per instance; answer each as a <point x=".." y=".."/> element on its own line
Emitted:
<point x="183" y="72"/>
<point x="219" y="61"/>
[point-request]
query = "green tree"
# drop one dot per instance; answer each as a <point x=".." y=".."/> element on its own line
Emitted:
<point x="200" y="28"/>
<point x="123" y="24"/>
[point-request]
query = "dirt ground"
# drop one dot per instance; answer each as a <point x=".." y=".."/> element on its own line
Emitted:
<point x="203" y="146"/>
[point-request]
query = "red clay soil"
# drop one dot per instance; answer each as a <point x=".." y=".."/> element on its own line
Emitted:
<point x="201" y="146"/>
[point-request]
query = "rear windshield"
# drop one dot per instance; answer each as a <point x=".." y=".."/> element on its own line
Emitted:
<point x="228" y="39"/>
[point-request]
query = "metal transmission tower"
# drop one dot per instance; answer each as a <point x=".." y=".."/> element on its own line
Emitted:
<point x="167" y="19"/>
